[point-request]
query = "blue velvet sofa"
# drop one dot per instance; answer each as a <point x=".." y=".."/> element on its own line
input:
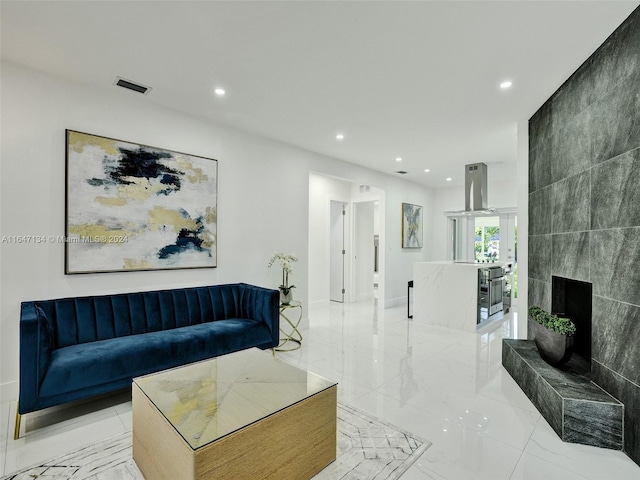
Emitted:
<point x="72" y="348"/>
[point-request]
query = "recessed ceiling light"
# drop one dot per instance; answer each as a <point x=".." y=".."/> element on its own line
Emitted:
<point x="426" y="170"/>
<point x="449" y="179"/>
<point x="398" y="159"/>
<point x="339" y="136"/>
<point x="506" y="84"/>
<point x="219" y="91"/>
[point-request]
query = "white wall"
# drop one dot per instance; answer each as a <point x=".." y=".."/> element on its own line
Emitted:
<point x="36" y="109"/>
<point x="396" y="263"/>
<point x="263" y="196"/>
<point x="502" y="194"/>
<point x="322" y="189"/>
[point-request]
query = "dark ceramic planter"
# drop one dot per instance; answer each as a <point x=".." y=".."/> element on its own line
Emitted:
<point x="554" y="347"/>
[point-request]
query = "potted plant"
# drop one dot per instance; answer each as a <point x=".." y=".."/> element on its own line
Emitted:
<point x="285" y="259"/>
<point x="553" y="335"/>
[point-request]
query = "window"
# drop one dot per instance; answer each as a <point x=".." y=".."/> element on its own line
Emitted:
<point x="487" y="239"/>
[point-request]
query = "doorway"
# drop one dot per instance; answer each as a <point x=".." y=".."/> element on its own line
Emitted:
<point x="365" y="250"/>
<point x="334" y="250"/>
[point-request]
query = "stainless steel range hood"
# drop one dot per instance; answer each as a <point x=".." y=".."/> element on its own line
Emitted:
<point x="475" y="187"/>
<point x="475" y="191"/>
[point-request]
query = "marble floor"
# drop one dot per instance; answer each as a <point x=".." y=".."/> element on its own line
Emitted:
<point x="445" y="386"/>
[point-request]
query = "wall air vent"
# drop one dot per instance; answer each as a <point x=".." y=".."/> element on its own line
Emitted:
<point x="401" y="172"/>
<point x="128" y="84"/>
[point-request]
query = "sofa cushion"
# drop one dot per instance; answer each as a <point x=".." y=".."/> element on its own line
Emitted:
<point x="88" y="364"/>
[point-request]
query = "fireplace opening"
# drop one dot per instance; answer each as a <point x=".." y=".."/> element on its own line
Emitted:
<point x="572" y="299"/>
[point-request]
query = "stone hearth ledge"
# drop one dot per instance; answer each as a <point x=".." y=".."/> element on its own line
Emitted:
<point x="576" y="408"/>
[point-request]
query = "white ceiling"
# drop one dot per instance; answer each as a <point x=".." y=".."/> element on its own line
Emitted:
<point x="417" y="80"/>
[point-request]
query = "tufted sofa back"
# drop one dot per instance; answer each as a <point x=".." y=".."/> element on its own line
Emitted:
<point x="87" y="319"/>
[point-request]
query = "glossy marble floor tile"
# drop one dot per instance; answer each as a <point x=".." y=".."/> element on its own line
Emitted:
<point x="458" y="451"/>
<point x="590" y="462"/>
<point x="55" y="439"/>
<point x="57" y="430"/>
<point x="493" y="418"/>
<point x="530" y="466"/>
<point x="443" y="385"/>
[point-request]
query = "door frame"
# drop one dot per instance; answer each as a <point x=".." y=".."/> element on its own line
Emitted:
<point x="355" y="250"/>
<point x="346" y="268"/>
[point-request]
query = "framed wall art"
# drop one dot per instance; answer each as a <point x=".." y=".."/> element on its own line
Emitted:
<point x="135" y="207"/>
<point x="411" y="226"/>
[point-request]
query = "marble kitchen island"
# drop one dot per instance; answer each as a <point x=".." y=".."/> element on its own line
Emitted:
<point x="445" y="293"/>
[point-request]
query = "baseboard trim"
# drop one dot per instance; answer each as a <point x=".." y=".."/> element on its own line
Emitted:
<point x="319" y="303"/>
<point x="8" y="391"/>
<point x="395" y="302"/>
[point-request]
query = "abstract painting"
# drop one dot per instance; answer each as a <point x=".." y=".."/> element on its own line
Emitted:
<point x="134" y="207"/>
<point x="411" y="226"/>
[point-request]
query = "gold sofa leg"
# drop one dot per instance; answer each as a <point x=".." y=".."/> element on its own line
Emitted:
<point x="16" y="432"/>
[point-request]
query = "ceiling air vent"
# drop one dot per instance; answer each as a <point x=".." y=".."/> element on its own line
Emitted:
<point x="401" y="172"/>
<point x="128" y="84"/>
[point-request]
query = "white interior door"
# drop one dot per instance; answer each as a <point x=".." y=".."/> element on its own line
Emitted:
<point x="337" y="251"/>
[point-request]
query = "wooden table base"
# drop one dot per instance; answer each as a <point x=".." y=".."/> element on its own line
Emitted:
<point x="294" y="443"/>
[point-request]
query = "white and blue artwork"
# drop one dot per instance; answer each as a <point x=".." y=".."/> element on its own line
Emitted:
<point x="135" y="207"/>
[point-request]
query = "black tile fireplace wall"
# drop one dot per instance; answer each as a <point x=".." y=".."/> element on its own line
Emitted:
<point x="584" y="208"/>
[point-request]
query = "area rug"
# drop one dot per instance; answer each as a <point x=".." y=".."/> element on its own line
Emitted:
<point x="368" y="449"/>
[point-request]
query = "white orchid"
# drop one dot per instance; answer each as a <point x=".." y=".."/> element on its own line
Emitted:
<point x="285" y="259"/>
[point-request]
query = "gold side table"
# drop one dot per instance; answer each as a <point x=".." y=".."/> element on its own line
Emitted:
<point x="290" y="334"/>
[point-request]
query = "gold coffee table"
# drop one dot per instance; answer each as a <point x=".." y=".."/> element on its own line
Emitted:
<point x="245" y="415"/>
